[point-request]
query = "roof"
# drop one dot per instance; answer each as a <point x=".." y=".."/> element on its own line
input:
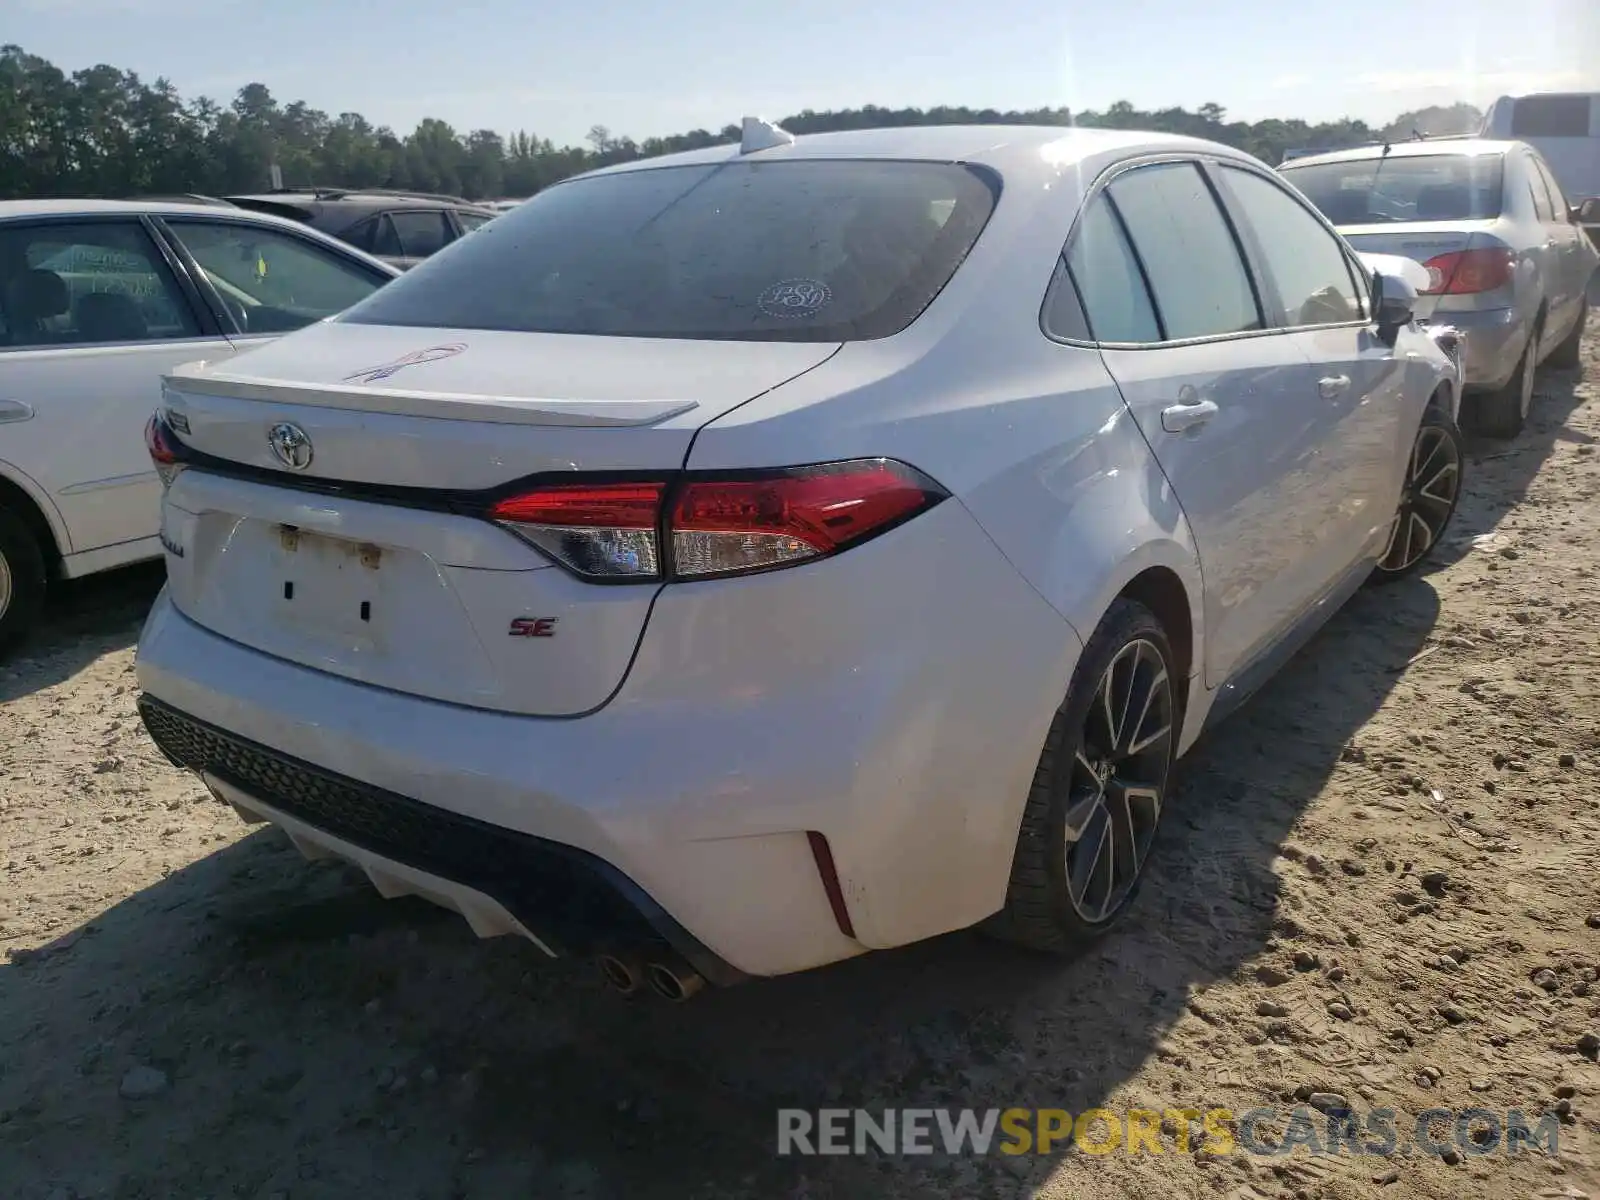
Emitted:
<point x="1426" y="148"/>
<point x="18" y="209"/>
<point x="1003" y="147"/>
<point x="386" y="199"/>
<point x="70" y="207"/>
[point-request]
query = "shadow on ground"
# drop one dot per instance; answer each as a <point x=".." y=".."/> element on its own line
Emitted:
<point x="84" y="619"/>
<point x="321" y="1042"/>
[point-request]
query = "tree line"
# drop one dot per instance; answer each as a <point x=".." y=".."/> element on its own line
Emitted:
<point x="105" y="132"/>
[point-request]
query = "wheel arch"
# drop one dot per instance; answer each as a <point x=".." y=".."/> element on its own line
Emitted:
<point x="1446" y="398"/>
<point x="1166" y="577"/>
<point x="1161" y="590"/>
<point x="23" y="496"/>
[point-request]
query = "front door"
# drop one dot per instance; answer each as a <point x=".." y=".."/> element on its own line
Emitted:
<point x="1320" y="299"/>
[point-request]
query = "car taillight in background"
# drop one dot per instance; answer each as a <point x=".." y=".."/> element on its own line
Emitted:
<point x="166" y="451"/>
<point x="711" y="525"/>
<point x="1467" y="272"/>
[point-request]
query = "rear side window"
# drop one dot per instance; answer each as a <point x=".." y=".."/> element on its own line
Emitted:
<point x="1543" y="206"/>
<point x="362" y="234"/>
<point x="1114" y="297"/>
<point x="1550" y="116"/>
<point x="270" y="281"/>
<point x="96" y="282"/>
<point x="413" y="234"/>
<point x="1428" y="187"/>
<point x="819" y="250"/>
<point x="1558" y="198"/>
<point x="1306" y="262"/>
<point x="1187" y="250"/>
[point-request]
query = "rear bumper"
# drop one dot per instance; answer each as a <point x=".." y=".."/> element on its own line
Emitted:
<point x="1492" y="342"/>
<point x="894" y="700"/>
<point x="501" y="880"/>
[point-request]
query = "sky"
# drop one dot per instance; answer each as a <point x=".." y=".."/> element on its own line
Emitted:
<point x="647" y="67"/>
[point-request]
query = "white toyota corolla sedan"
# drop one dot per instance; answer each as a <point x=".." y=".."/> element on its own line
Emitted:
<point x="728" y="563"/>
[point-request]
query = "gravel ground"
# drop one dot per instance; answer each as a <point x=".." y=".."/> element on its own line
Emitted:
<point x="1379" y="881"/>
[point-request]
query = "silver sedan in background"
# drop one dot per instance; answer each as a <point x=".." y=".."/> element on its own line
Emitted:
<point x="1507" y="259"/>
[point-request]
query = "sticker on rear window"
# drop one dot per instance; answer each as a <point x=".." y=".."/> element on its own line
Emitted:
<point x="795" y="298"/>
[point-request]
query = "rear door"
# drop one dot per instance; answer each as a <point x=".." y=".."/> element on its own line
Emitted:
<point x="94" y="310"/>
<point x="1224" y="401"/>
<point x="1570" y="245"/>
<point x="1323" y="305"/>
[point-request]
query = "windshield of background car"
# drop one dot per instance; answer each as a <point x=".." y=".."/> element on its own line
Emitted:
<point x="1434" y="187"/>
<point x="811" y="251"/>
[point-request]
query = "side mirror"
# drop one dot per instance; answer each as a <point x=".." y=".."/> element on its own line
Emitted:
<point x="1587" y="213"/>
<point x="1394" y="304"/>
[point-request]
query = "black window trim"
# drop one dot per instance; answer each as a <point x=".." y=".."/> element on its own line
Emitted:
<point x="188" y="293"/>
<point x="1099" y="187"/>
<point x="175" y="248"/>
<point x="1258" y="263"/>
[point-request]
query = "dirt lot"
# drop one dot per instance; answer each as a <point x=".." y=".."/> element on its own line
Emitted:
<point x="1382" y="880"/>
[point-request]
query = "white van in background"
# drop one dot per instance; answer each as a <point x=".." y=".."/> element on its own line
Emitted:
<point x="1565" y="128"/>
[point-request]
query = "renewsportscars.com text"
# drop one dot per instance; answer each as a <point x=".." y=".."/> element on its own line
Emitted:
<point x="1378" y="1132"/>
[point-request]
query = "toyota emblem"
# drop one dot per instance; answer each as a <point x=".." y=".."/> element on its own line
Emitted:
<point x="290" y="446"/>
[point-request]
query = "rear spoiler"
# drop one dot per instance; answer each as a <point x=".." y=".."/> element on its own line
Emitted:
<point x="196" y="379"/>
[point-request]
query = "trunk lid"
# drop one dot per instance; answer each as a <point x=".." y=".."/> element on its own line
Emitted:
<point x="1420" y="241"/>
<point x="390" y="587"/>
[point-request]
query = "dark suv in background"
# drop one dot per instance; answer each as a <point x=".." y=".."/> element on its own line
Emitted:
<point x="402" y="228"/>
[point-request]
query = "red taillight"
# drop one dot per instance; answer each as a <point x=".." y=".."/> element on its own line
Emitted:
<point x="599" y="530"/>
<point x="719" y="525"/>
<point x="158" y="441"/>
<point x="166" y="452"/>
<point x="732" y="525"/>
<point x="1467" y="272"/>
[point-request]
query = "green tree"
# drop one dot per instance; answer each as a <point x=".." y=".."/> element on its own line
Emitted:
<point x="106" y="132"/>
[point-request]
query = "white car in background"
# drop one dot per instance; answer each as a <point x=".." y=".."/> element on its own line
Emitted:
<point x="97" y="300"/>
<point x="1564" y="127"/>
<point x="736" y="561"/>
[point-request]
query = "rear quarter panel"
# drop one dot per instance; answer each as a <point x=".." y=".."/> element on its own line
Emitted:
<point x="1030" y="435"/>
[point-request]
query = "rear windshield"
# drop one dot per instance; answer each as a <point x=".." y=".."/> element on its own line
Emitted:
<point x="1435" y="187"/>
<point x="819" y="250"/>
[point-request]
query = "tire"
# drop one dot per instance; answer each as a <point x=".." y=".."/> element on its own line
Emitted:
<point x="22" y="580"/>
<point x="1502" y="412"/>
<point x="1569" y="354"/>
<point x="1428" y="500"/>
<point x="1077" y="780"/>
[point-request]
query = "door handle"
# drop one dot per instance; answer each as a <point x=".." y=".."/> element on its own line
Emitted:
<point x="15" y="410"/>
<point x="1181" y="417"/>
<point x="1333" y="386"/>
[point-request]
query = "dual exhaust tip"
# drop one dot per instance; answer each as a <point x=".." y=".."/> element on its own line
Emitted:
<point x="625" y="975"/>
